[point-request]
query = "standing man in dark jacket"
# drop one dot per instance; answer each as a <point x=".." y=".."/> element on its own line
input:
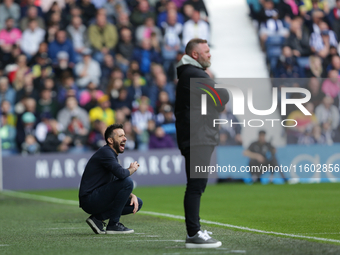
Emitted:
<point x="105" y="188"/>
<point x="196" y="135"/>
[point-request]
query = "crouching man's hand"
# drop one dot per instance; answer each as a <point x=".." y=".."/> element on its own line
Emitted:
<point x="133" y="167"/>
<point x="134" y="201"/>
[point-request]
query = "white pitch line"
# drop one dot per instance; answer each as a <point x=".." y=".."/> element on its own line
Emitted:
<point x="167" y="215"/>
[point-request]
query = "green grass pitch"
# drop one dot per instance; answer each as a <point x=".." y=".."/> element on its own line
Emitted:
<point x="28" y="226"/>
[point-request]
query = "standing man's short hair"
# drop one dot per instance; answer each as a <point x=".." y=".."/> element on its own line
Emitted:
<point x="109" y="130"/>
<point x="192" y="44"/>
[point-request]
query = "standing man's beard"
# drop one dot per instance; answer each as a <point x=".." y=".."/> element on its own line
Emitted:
<point x="204" y="64"/>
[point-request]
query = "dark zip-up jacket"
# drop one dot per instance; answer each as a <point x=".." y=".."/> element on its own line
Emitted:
<point x="193" y="128"/>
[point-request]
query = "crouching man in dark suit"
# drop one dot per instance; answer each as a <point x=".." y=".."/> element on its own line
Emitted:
<point x="105" y="188"/>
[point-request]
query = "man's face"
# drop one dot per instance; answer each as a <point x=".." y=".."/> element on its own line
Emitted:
<point x="61" y="37"/>
<point x="9" y="23"/>
<point x="203" y="55"/>
<point x="262" y="138"/>
<point x="118" y="139"/>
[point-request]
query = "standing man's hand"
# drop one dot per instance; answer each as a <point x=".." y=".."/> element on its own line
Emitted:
<point x="134" y="201"/>
<point x="133" y="167"/>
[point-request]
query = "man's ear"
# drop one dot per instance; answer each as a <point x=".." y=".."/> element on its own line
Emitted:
<point x="110" y="140"/>
<point x="194" y="55"/>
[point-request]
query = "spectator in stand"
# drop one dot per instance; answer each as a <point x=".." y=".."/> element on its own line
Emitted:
<point x="30" y="146"/>
<point x="288" y="10"/>
<point x="188" y="11"/>
<point x="316" y="136"/>
<point x="88" y="70"/>
<point x="146" y="30"/>
<point x="334" y="63"/>
<point x="304" y="123"/>
<point x="56" y="141"/>
<point x="124" y="22"/>
<point x="113" y="88"/>
<point x="230" y="133"/>
<point x="123" y="101"/>
<point x="161" y="84"/>
<point x="166" y="119"/>
<point x="88" y="98"/>
<point x="172" y="37"/>
<point x="78" y="34"/>
<point x="331" y="86"/>
<point x="47" y="4"/>
<point x="139" y="121"/>
<point x="31" y="39"/>
<point x="61" y="43"/>
<point x="7" y="134"/>
<point x="315" y="67"/>
<point x="88" y="11"/>
<point x="42" y="49"/>
<point x="70" y="110"/>
<point x="334" y="18"/>
<point x="137" y="90"/>
<point x="161" y="6"/>
<point x="130" y="144"/>
<point x="98" y="3"/>
<point x="160" y="140"/>
<point x="298" y="39"/>
<point x="145" y="55"/>
<point x="78" y="134"/>
<point x="27" y="127"/>
<point x="43" y="127"/>
<point x="103" y="112"/>
<point x="320" y="42"/>
<point x="307" y="7"/>
<point x="6" y="92"/>
<point x="163" y="17"/>
<point x="115" y="7"/>
<point x="96" y="137"/>
<point x="101" y="12"/>
<point x="16" y="77"/>
<point x="272" y="26"/>
<point x="53" y="17"/>
<point x="287" y="66"/>
<point x="62" y="69"/>
<point x="28" y="90"/>
<point x="46" y="104"/>
<point x="103" y="38"/>
<point x="106" y="69"/>
<point x="140" y="13"/>
<point x="124" y="49"/>
<point x="70" y="12"/>
<point x="326" y="112"/>
<point x="32" y="14"/>
<point x="28" y="4"/>
<point x="314" y="88"/>
<point x="9" y="9"/>
<point x="195" y="28"/>
<point x="200" y="7"/>
<point x="10" y="35"/>
<point x="7" y="109"/>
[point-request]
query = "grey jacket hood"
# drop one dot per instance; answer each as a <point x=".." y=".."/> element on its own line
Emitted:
<point x="187" y="60"/>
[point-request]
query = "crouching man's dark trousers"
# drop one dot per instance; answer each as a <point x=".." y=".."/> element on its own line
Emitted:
<point x="110" y="201"/>
<point x="200" y="156"/>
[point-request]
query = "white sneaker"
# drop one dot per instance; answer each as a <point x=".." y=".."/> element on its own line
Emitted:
<point x="202" y="240"/>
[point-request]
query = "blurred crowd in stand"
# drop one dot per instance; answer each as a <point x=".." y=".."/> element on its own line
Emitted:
<point x="70" y="68"/>
<point x="301" y="41"/>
